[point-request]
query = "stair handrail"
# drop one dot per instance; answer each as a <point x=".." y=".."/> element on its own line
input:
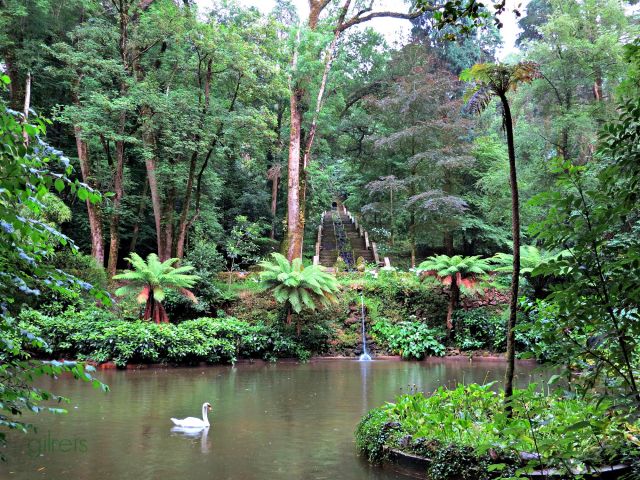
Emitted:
<point x="319" y="239"/>
<point x="360" y="230"/>
<point x="369" y="245"/>
<point x="374" y="249"/>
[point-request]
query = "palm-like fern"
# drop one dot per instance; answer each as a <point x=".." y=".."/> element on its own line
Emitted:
<point x="151" y="278"/>
<point x="531" y="258"/>
<point x="297" y="286"/>
<point x="455" y="271"/>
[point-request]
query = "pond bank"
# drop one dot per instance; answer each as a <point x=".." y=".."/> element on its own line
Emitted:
<point x="419" y="465"/>
<point x="322" y="358"/>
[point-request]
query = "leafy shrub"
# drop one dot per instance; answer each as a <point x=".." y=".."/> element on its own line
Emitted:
<point x="205" y="257"/>
<point x="90" y="277"/>
<point x="207" y="262"/>
<point x="92" y="334"/>
<point x="465" y="430"/>
<point x="480" y="328"/>
<point x="403" y="295"/>
<point x="180" y="308"/>
<point x="410" y="339"/>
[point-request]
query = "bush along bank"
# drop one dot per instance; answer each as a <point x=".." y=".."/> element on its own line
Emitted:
<point x="404" y="316"/>
<point x="92" y="335"/>
<point x="464" y="434"/>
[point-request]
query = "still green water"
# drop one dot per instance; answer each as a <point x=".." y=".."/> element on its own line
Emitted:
<point x="269" y="421"/>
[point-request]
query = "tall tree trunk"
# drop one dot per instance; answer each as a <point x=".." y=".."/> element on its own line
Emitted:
<point x="183" y="225"/>
<point x="156" y="201"/>
<point x="447" y="241"/>
<point x="15" y="86"/>
<point x="308" y="143"/>
<point x="114" y="226"/>
<point x="412" y="239"/>
<point x="219" y="134"/>
<point x="295" y="213"/>
<point x="136" y="226"/>
<point x="515" y="276"/>
<point x="392" y="220"/>
<point x="93" y="211"/>
<point x="118" y="168"/>
<point x="454" y="296"/>
<point x="168" y="224"/>
<point x="27" y="105"/>
<point x="294" y="233"/>
<point x="275" y="178"/>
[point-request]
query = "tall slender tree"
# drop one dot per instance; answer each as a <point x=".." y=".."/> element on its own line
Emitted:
<point x="300" y="147"/>
<point x="496" y="81"/>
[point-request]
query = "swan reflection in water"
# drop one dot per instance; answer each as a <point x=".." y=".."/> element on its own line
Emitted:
<point x="195" y="433"/>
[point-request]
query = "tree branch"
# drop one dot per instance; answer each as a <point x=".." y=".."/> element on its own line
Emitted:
<point x="355" y="20"/>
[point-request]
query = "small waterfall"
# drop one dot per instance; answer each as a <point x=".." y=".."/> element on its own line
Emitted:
<point x="365" y="357"/>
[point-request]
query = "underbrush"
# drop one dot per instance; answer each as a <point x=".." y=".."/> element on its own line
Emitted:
<point x="480" y="329"/>
<point x="93" y="334"/>
<point x="465" y="433"/>
<point x="410" y="339"/>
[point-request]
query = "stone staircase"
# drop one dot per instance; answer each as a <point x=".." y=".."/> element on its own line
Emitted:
<point x="340" y="235"/>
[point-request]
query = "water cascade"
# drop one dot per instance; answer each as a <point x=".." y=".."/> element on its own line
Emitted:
<point x="365" y="357"/>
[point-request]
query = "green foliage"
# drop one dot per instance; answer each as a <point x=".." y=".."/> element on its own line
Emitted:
<point x="243" y="244"/>
<point x="467" y="426"/>
<point x="410" y="339"/>
<point x="480" y="329"/>
<point x="29" y="170"/>
<point x="93" y="334"/>
<point x="296" y="286"/>
<point x="594" y="211"/>
<point x="531" y="258"/>
<point x="460" y="463"/>
<point x="340" y="265"/>
<point x="398" y="296"/>
<point x="372" y="434"/>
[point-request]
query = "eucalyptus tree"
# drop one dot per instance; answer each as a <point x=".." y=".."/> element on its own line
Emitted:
<point x="579" y="47"/>
<point x="345" y="15"/>
<point x="492" y="81"/>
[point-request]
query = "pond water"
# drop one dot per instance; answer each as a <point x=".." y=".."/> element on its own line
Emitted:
<point x="269" y="421"/>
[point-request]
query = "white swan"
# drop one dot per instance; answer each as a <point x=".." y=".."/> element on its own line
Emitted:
<point x="193" y="422"/>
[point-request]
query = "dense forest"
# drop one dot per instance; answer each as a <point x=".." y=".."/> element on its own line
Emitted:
<point x="183" y="118"/>
<point x="191" y="183"/>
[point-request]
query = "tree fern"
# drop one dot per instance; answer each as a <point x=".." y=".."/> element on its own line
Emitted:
<point x="149" y="281"/>
<point x="298" y="287"/>
<point x="455" y="271"/>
